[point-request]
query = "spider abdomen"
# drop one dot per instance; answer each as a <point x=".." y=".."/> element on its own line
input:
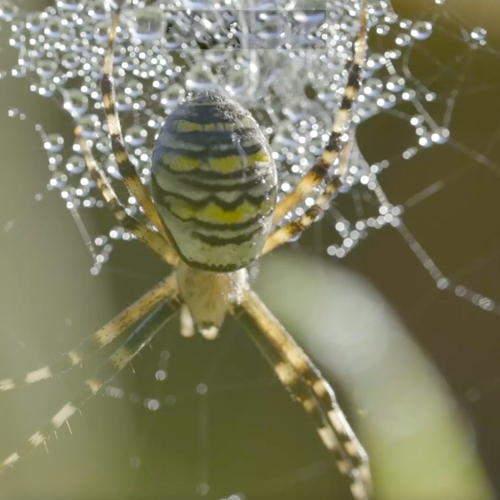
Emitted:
<point x="214" y="183"/>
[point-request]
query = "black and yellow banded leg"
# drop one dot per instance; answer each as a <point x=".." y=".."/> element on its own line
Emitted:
<point x="337" y="436"/>
<point x="153" y="240"/>
<point x="125" y="166"/>
<point x="141" y="336"/>
<point x="292" y="380"/>
<point x="341" y="123"/>
<point x="97" y="340"/>
<point x="293" y="229"/>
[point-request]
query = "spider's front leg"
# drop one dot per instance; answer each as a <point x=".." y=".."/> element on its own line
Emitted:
<point x="125" y="166"/>
<point x="342" y="121"/>
<point x="293" y="229"/>
<point x="153" y="240"/>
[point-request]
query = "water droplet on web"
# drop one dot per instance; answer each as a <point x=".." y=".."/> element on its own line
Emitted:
<point x="478" y="33"/>
<point x="421" y="30"/>
<point x="58" y="180"/>
<point x="89" y="126"/>
<point x="136" y="135"/>
<point x="133" y="88"/>
<point x="70" y="5"/>
<point x="7" y="11"/>
<point x="75" y="102"/>
<point x="236" y="83"/>
<point x="147" y="24"/>
<point x="53" y="28"/>
<point x="375" y="61"/>
<point x="46" y="68"/>
<point x="101" y="32"/>
<point x="53" y="143"/>
<point x="152" y="404"/>
<point x="395" y="83"/>
<point x="443" y="283"/>
<point x="403" y="39"/>
<point x="34" y="21"/>
<point x="98" y="9"/>
<point x="440" y="135"/>
<point x="161" y="375"/>
<point x="123" y="102"/>
<point x="478" y="37"/>
<point x="202" y="489"/>
<point x="75" y="165"/>
<point x="200" y="78"/>
<point x="202" y="389"/>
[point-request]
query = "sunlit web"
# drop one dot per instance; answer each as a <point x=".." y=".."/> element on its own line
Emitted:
<point x="251" y="55"/>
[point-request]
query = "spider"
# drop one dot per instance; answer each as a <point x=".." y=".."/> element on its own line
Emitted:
<point x="213" y="212"/>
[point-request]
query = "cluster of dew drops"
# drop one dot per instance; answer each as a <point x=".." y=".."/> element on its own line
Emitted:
<point x="284" y="63"/>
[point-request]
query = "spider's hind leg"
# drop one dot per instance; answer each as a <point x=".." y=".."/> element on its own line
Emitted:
<point x="92" y="343"/>
<point x="298" y="374"/>
<point x="140" y="337"/>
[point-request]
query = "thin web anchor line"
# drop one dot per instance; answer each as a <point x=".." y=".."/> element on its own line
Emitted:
<point x="442" y="281"/>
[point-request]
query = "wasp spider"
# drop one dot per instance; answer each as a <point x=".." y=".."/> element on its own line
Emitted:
<point x="214" y="187"/>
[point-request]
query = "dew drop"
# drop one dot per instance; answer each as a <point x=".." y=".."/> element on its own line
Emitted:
<point x="421" y="30"/>
<point x="53" y="143"/>
<point x="147" y="24"/>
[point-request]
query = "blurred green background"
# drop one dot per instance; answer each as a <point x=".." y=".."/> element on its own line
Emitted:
<point x="416" y="369"/>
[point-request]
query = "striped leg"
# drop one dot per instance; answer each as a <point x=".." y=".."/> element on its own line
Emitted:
<point x="94" y="342"/>
<point x="293" y="229"/>
<point x="125" y="166"/>
<point x="153" y="240"/>
<point x="141" y="336"/>
<point x="295" y="370"/>
<point x="320" y="169"/>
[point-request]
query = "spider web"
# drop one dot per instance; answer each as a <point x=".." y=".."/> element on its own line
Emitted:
<point x="417" y="214"/>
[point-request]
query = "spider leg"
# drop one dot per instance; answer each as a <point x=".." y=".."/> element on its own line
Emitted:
<point x="153" y="240"/>
<point x="295" y="370"/>
<point x="293" y="229"/>
<point x="94" y="342"/>
<point x="320" y="169"/>
<point x="125" y="166"/>
<point x="141" y="336"/>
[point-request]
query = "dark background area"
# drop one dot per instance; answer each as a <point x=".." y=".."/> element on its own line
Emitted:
<point x="259" y="443"/>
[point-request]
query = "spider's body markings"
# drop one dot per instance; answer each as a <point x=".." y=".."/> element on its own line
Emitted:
<point x="214" y="183"/>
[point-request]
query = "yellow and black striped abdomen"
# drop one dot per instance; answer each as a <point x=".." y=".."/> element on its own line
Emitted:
<point x="214" y="183"/>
